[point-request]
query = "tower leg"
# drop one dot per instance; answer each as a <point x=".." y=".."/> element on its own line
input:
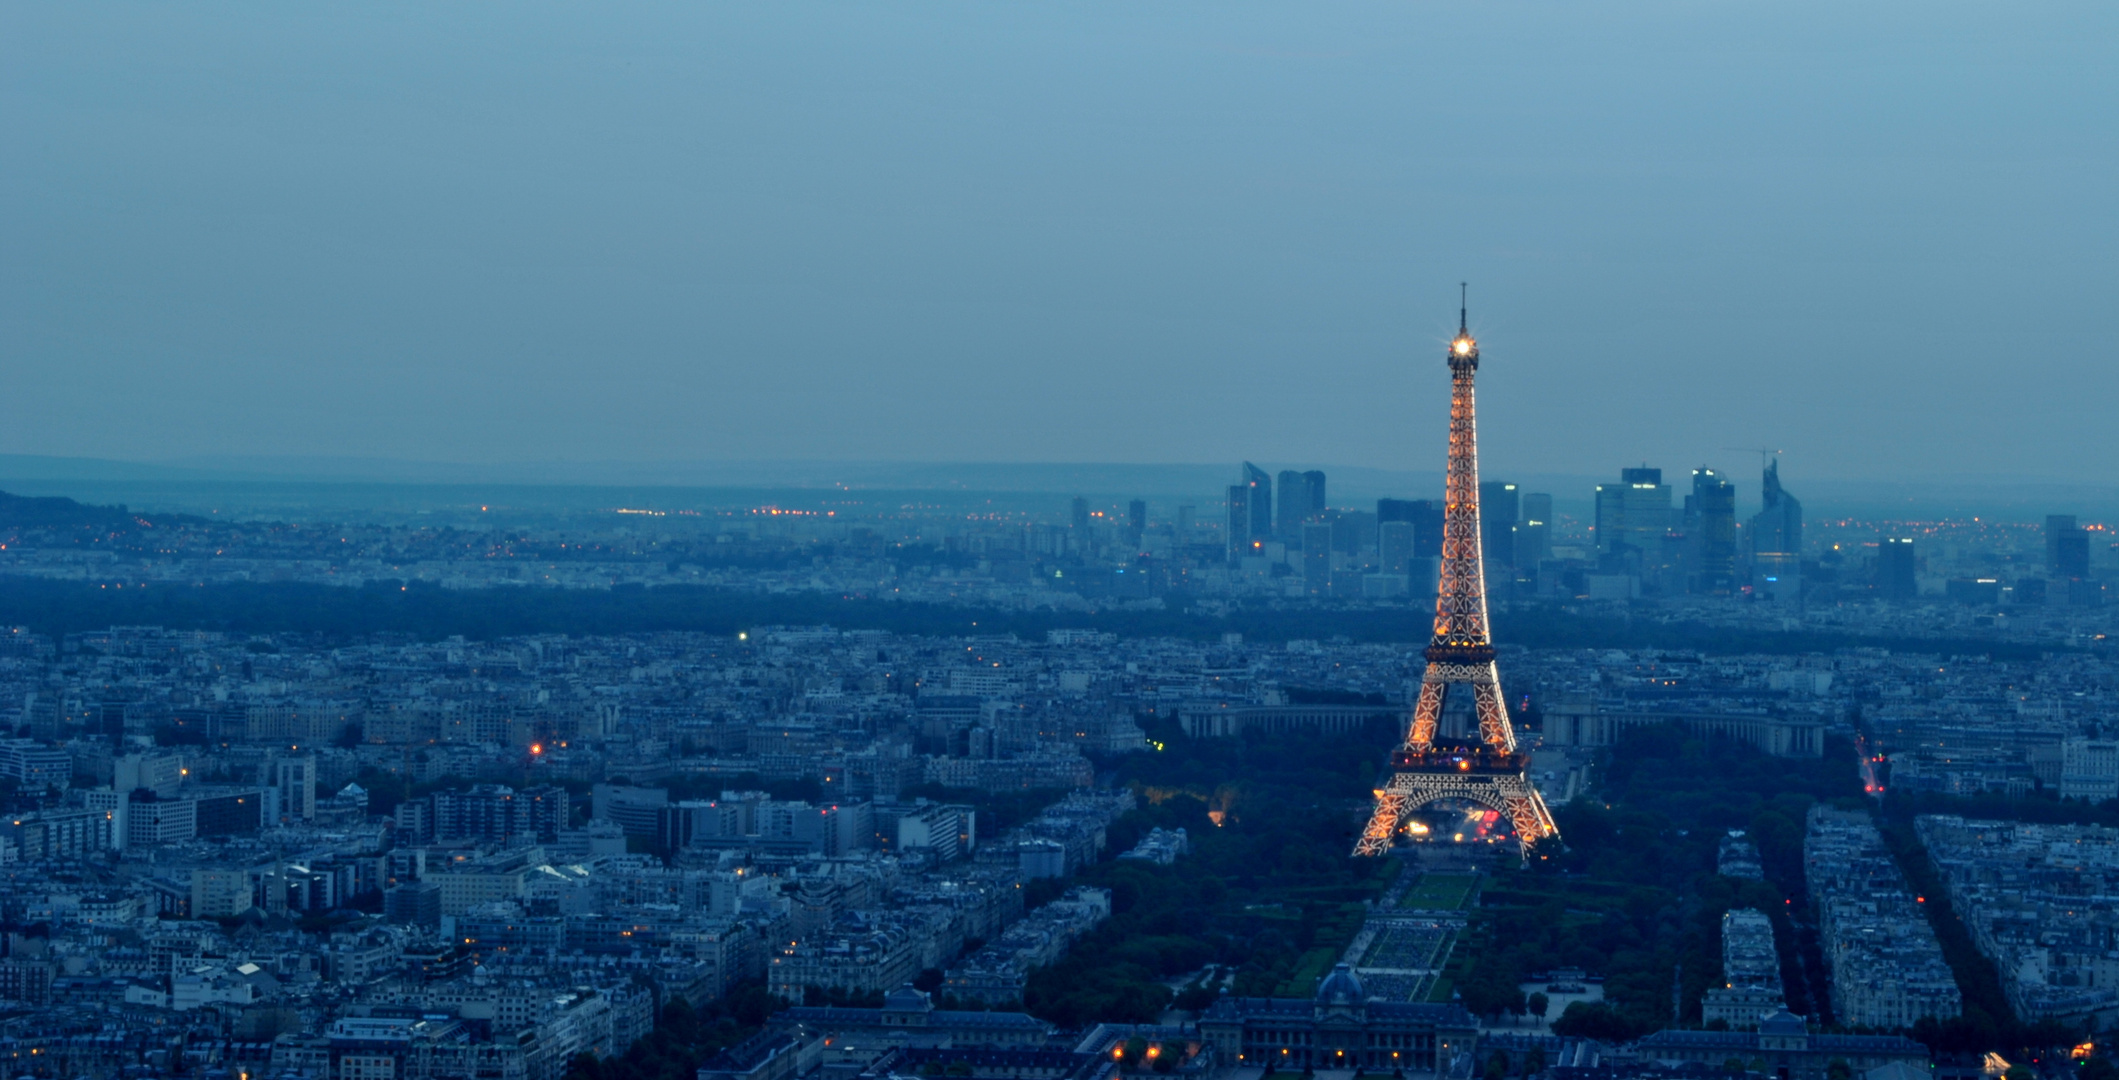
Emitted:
<point x="1494" y="728"/>
<point x="1427" y="711"/>
<point x="1531" y="820"/>
<point x="1383" y="826"/>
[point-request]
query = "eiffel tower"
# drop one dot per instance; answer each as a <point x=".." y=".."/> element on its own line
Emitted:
<point x="1491" y="772"/>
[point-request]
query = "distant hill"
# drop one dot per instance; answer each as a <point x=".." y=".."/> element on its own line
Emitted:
<point x="56" y="512"/>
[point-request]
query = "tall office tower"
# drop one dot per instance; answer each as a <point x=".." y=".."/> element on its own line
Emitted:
<point x="1353" y="531"/>
<point x="2067" y="547"/>
<point x="1633" y="513"/>
<point x="2056" y="526"/>
<point x="1534" y="531"/>
<point x="1313" y="481"/>
<point x="1424" y="515"/>
<point x="1498" y="507"/>
<point x="296" y="780"/>
<point x="1184" y="522"/>
<point x="1493" y="772"/>
<point x="1294" y="507"/>
<point x="1260" y="502"/>
<point x="1239" y="521"/>
<point x="1394" y="546"/>
<point x="1317" y="558"/>
<point x="1777" y="529"/>
<point x="1137" y="518"/>
<point x="2074" y="561"/>
<point x="1894" y="569"/>
<point x="1710" y="534"/>
<point x="1081" y="514"/>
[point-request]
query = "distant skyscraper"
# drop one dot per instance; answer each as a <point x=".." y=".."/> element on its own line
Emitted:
<point x="2067" y="547"/>
<point x="1184" y="521"/>
<point x="1260" y="501"/>
<point x="1895" y="578"/>
<point x="1317" y="558"/>
<point x="1498" y="507"/>
<point x="1081" y="514"/>
<point x="1294" y="506"/>
<point x="1137" y="517"/>
<point x="1534" y="532"/>
<point x="1301" y="501"/>
<point x="1353" y="531"/>
<point x="1777" y="529"/>
<point x="2056" y="526"/>
<point x="1394" y="546"/>
<point x="2075" y="555"/>
<point x="1239" y="520"/>
<point x="1710" y="534"/>
<point x="1314" y="482"/>
<point x="1424" y="515"/>
<point x="1633" y="513"/>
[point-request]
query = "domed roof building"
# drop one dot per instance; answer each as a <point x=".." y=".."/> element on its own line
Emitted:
<point x="1341" y="989"/>
<point x="1339" y="1027"/>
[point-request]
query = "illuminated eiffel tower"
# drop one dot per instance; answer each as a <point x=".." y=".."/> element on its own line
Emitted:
<point x="1491" y="772"/>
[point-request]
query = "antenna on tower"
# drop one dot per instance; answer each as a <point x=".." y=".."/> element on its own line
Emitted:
<point x="1463" y="305"/>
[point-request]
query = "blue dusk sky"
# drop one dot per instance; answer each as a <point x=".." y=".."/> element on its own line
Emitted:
<point x="1880" y="237"/>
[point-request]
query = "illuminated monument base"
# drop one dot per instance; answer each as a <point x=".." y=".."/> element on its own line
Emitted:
<point x="1478" y="775"/>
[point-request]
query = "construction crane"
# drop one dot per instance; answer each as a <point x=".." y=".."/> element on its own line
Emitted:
<point x="1764" y="453"/>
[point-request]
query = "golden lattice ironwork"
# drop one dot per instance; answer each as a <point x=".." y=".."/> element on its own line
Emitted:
<point x="1461" y="653"/>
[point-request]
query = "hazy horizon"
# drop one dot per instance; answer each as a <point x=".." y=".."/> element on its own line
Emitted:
<point x="1870" y="237"/>
<point x="353" y="489"/>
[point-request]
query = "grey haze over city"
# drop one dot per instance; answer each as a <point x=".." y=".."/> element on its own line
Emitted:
<point x="571" y="244"/>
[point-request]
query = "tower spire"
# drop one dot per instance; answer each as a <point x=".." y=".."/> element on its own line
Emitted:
<point x="1463" y="305"/>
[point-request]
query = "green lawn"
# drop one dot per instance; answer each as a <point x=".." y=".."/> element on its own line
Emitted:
<point x="1441" y="892"/>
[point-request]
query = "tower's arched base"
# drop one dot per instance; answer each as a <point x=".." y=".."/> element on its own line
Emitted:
<point x="1510" y="794"/>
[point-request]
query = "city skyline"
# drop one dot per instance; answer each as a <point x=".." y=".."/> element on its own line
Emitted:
<point x="305" y="488"/>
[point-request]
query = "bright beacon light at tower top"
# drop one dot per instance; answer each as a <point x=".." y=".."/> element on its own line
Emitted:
<point x="1462" y="346"/>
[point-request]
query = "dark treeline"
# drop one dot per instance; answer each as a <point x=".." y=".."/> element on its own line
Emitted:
<point x="2044" y="808"/>
<point x="1268" y="889"/>
<point x="1632" y="892"/>
<point x="430" y="612"/>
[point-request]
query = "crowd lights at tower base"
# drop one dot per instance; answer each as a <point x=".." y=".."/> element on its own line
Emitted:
<point x="1476" y="825"/>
